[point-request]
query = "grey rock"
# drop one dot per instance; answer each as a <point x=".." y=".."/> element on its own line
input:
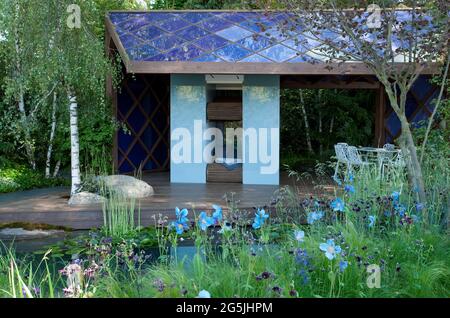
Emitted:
<point x="85" y="198"/>
<point x="127" y="186"/>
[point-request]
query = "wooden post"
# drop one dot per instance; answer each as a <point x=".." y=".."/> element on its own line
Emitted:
<point x="111" y="95"/>
<point x="380" y="109"/>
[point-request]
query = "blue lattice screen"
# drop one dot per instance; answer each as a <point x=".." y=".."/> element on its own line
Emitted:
<point x="142" y="106"/>
<point x="419" y="106"/>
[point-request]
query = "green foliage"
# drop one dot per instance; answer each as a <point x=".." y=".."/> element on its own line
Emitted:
<point x="333" y="116"/>
<point x="18" y="178"/>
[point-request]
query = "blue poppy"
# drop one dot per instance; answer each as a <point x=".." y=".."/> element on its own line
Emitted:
<point x="314" y="216"/>
<point x="217" y="214"/>
<point x="181" y="215"/>
<point x="330" y="249"/>
<point x="299" y="236"/>
<point x="395" y="196"/>
<point x="372" y="219"/>
<point x="337" y="205"/>
<point x="179" y="227"/>
<point x="400" y="209"/>
<point x="260" y="218"/>
<point x="349" y="188"/>
<point x="343" y="265"/>
<point x="204" y="221"/>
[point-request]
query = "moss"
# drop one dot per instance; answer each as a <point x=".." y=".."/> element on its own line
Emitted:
<point x="34" y="226"/>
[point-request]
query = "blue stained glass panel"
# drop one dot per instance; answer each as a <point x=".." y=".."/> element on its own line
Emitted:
<point x="208" y="58"/>
<point x="211" y="42"/>
<point x="142" y="52"/>
<point x="129" y="41"/>
<point x="191" y="33"/>
<point x="253" y="26"/>
<point x="134" y="23"/>
<point x="234" y="33"/>
<point x="173" y="24"/>
<point x="233" y="17"/>
<point x="149" y="32"/>
<point x="214" y="24"/>
<point x="279" y="53"/>
<point x="232" y="53"/>
<point x="255" y="58"/>
<point x="184" y="53"/>
<point x="165" y="43"/>
<point x="256" y="42"/>
<point x="195" y="17"/>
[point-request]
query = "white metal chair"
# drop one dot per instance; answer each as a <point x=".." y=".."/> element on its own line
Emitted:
<point x="341" y="156"/>
<point x="354" y="158"/>
<point x="386" y="158"/>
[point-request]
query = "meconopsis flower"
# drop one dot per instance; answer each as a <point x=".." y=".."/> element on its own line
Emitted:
<point x="217" y="214"/>
<point x="330" y="249"/>
<point x="205" y="221"/>
<point x="337" y="205"/>
<point x="260" y="219"/>
<point x="181" y="223"/>
<point x="314" y="216"/>
<point x="299" y="236"/>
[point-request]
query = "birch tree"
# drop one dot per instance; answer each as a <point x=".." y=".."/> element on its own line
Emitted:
<point x="82" y="69"/>
<point x="396" y="46"/>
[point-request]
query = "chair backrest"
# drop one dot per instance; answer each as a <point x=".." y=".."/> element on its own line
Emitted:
<point x="341" y="151"/>
<point x="389" y="154"/>
<point x="389" y="147"/>
<point x="353" y="155"/>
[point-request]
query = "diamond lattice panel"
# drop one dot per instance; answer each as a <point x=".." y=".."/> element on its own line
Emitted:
<point x="143" y="109"/>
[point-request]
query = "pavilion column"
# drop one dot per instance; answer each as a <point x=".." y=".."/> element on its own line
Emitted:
<point x="261" y="124"/>
<point x="188" y="98"/>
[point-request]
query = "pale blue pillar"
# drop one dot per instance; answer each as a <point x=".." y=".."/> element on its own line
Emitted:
<point x="261" y="115"/>
<point x="188" y="99"/>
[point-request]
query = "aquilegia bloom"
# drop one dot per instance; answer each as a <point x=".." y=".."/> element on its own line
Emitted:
<point x="299" y="235"/>
<point x="343" y="265"/>
<point x="204" y="221"/>
<point x="260" y="218"/>
<point x="349" y="188"/>
<point x="330" y="249"/>
<point x="217" y="214"/>
<point x="337" y="205"/>
<point x="314" y="216"/>
<point x="372" y="219"/>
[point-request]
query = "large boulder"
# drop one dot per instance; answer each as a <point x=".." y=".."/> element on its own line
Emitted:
<point x="127" y="186"/>
<point x="85" y="198"/>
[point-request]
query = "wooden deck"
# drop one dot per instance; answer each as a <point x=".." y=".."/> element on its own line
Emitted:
<point x="49" y="206"/>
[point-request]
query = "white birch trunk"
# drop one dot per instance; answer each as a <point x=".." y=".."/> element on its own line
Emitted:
<point x="305" y="119"/>
<point x="21" y="100"/>
<point x="52" y="137"/>
<point x="74" y="144"/>
<point x="56" y="171"/>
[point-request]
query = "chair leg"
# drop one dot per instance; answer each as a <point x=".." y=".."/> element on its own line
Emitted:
<point x="336" y="170"/>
